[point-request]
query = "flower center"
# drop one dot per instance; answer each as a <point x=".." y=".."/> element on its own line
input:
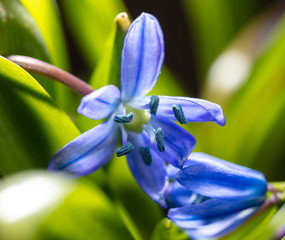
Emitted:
<point x="140" y="118"/>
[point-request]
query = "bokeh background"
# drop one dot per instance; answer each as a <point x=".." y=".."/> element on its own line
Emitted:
<point x="228" y="52"/>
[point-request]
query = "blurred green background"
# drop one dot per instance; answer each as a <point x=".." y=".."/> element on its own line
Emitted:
<point x="228" y="52"/>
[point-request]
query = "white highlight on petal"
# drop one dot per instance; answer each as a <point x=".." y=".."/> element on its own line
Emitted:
<point x="150" y="132"/>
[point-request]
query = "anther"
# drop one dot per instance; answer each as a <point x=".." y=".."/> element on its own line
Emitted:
<point x="153" y="105"/>
<point x="146" y="156"/>
<point x="179" y="114"/>
<point x="124" y="150"/>
<point x="123" y="118"/>
<point x="159" y="137"/>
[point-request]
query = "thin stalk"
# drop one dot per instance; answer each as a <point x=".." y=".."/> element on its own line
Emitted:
<point x="275" y="199"/>
<point x="48" y="70"/>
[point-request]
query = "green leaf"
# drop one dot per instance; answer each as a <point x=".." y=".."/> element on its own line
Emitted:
<point x="86" y="213"/>
<point x="56" y="208"/>
<point x="32" y="126"/>
<point x="90" y="22"/>
<point x="167" y="230"/>
<point x="46" y="16"/>
<point x="19" y="32"/>
<point x="21" y="35"/>
<point x="108" y="70"/>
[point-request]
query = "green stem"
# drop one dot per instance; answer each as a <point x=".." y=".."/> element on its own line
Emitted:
<point x="276" y="198"/>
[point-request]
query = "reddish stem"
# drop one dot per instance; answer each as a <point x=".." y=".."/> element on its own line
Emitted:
<point x="48" y="70"/>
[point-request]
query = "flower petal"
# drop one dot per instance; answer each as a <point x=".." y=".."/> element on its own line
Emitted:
<point x="88" y="152"/>
<point x="172" y="171"/>
<point x="195" y="109"/>
<point x="151" y="178"/>
<point x="142" y="57"/>
<point x="213" y="218"/>
<point x="216" y="178"/>
<point x="178" y="142"/>
<point x="179" y="196"/>
<point x="209" y="210"/>
<point x="100" y="103"/>
<point x="222" y="226"/>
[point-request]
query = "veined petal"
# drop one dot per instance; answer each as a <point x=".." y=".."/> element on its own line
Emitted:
<point x="210" y="210"/>
<point x="195" y="109"/>
<point x="151" y="178"/>
<point x="222" y="226"/>
<point x="179" y="196"/>
<point x="101" y="103"/>
<point x="178" y="142"/>
<point x="213" y="218"/>
<point x="88" y="152"/>
<point x="142" y="57"/>
<point x="216" y="178"/>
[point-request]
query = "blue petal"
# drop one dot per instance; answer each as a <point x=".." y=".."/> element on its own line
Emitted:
<point x="222" y="226"/>
<point x="151" y="178"/>
<point x="172" y="171"/>
<point x="100" y="103"/>
<point x="213" y="218"/>
<point x="178" y="142"/>
<point x="216" y="178"/>
<point x="196" y="215"/>
<point x="88" y="152"/>
<point x="195" y="109"/>
<point x="179" y="196"/>
<point x="142" y="57"/>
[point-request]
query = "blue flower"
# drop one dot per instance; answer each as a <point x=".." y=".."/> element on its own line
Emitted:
<point x="177" y="195"/>
<point x="234" y="194"/>
<point x="145" y="123"/>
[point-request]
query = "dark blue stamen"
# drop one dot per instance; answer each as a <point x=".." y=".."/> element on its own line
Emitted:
<point x="179" y="114"/>
<point x="146" y="156"/>
<point x="159" y="137"/>
<point x="153" y="105"/>
<point x="123" y="118"/>
<point x="124" y="150"/>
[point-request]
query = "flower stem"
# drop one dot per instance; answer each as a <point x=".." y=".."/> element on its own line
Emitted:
<point x="48" y="70"/>
<point x="276" y="198"/>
